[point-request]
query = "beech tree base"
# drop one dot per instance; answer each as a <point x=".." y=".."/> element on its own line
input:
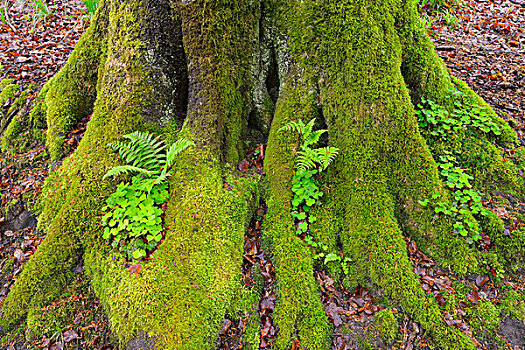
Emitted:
<point x="359" y="70"/>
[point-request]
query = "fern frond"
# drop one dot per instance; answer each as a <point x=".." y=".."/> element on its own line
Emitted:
<point x="148" y="184"/>
<point x="306" y="159"/>
<point x="306" y="132"/>
<point x="176" y="148"/>
<point x="298" y="126"/>
<point x="324" y="156"/>
<point x="119" y="147"/>
<point x="293" y="126"/>
<point x="142" y="150"/>
<point x="145" y="154"/>
<point x="125" y="169"/>
<point x="313" y="138"/>
<point x="309" y="136"/>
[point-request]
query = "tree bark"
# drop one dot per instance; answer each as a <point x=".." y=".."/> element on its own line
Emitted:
<point x="217" y="67"/>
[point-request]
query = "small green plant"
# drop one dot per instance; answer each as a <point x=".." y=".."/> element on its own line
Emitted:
<point x="42" y="7"/>
<point x="42" y="14"/>
<point x="134" y="215"/>
<point x="310" y="162"/>
<point x="3" y="19"/>
<point x="310" y="158"/>
<point x="440" y="124"/>
<point x="145" y="155"/>
<point x="133" y="221"/>
<point x="327" y="256"/>
<point x="440" y="11"/>
<point x="91" y="6"/>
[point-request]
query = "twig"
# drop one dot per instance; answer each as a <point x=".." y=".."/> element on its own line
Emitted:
<point x="7" y="20"/>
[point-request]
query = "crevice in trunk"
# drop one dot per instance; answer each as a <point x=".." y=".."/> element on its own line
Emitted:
<point x="322" y="124"/>
<point x="272" y="79"/>
<point x="266" y="82"/>
<point x="253" y="329"/>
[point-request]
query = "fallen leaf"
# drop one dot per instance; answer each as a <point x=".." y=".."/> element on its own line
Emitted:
<point x="19" y="255"/>
<point x="70" y="335"/>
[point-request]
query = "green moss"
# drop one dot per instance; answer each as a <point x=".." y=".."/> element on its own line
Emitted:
<point x="73" y="195"/>
<point x="511" y="247"/>
<point x="12" y="131"/>
<point x="180" y="297"/>
<point x="252" y="333"/>
<point x="508" y="135"/>
<point x="37" y="115"/>
<point x="76" y="309"/>
<point x="245" y="303"/>
<point x="423" y="71"/>
<point x="491" y="224"/>
<point x="486" y="164"/>
<point x="72" y="91"/>
<point x="5" y="82"/>
<point x="219" y="40"/>
<point x="8" y="266"/>
<point x="16" y="334"/>
<point x="12" y="138"/>
<point x="299" y="313"/>
<point x="484" y="318"/>
<point x="352" y="62"/>
<point x="513" y="304"/>
<point x="8" y="92"/>
<point x="363" y="344"/>
<point x="195" y="272"/>
<point x="355" y="52"/>
<point x="386" y="324"/>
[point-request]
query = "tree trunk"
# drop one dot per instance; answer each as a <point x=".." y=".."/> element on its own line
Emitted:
<point x="214" y="67"/>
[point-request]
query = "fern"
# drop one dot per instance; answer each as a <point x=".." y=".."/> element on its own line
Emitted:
<point x="309" y="158"/>
<point x="293" y="126"/>
<point x="310" y="161"/>
<point x="143" y="151"/>
<point x="177" y="147"/>
<point x="146" y="155"/>
<point x="325" y="156"/>
<point x="126" y="169"/>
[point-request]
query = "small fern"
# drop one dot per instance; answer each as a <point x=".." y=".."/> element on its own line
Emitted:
<point x="145" y="154"/>
<point x="306" y="159"/>
<point x="309" y="136"/>
<point x="310" y="158"/>
<point x="325" y="156"/>
<point x="310" y="161"/>
<point x="133" y="219"/>
<point x="126" y="169"/>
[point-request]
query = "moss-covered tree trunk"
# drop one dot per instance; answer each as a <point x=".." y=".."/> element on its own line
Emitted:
<point x="229" y="72"/>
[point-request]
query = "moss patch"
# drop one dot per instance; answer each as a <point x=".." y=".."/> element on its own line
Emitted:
<point x="386" y="324"/>
<point x="299" y="313"/>
<point x="72" y="91"/>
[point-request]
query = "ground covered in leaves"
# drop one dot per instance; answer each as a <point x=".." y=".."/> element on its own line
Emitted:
<point x="483" y="44"/>
<point x="32" y="50"/>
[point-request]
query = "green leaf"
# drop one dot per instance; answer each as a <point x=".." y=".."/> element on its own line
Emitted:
<point x="137" y="254"/>
<point x="107" y="233"/>
<point x="424" y="203"/>
<point x="331" y="257"/>
<point x="303" y="226"/>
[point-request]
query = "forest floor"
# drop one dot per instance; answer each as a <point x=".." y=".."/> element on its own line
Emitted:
<point x="483" y="44"/>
